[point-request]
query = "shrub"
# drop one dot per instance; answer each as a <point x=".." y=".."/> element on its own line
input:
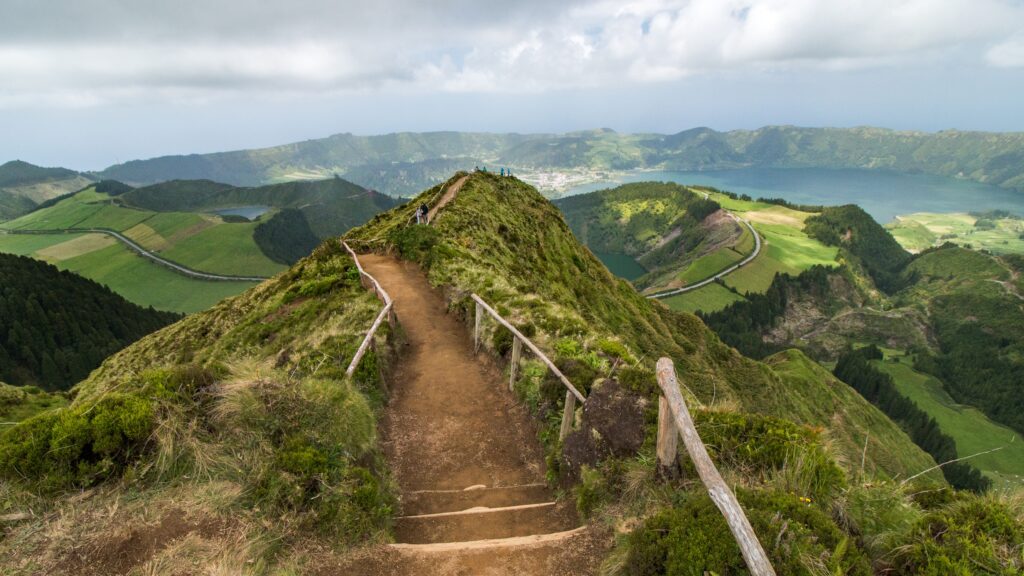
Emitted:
<point x="762" y="444"/>
<point x="414" y="242"/>
<point x="973" y="535"/>
<point x="591" y="491"/>
<point x="79" y="445"/>
<point x="694" y="539"/>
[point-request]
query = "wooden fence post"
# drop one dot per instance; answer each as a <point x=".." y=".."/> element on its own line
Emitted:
<point x="721" y="495"/>
<point x="568" y="416"/>
<point x="476" y="330"/>
<point x="517" y="351"/>
<point x="668" y="441"/>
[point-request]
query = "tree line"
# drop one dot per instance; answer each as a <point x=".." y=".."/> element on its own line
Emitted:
<point x="877" y="387"/>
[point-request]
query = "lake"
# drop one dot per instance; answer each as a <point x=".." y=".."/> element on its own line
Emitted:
<point x="882" y="194"/>
<point x="249" y="212"/>
<point x="621" y="265"/>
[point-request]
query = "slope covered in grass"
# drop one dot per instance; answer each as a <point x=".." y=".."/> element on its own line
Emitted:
<point x="236" y="425"/>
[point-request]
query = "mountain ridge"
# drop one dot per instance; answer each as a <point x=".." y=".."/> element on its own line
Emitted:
<point x="988" y="157"/>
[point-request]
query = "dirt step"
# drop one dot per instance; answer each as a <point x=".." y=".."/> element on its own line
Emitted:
<point x="434" y="501"/>
<point x="485" y="523"/>
<point x="576" y="552"/>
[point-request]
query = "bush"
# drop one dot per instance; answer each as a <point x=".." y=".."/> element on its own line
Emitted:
<point x="694" y="539"/>
<point x="414" y="242"/>
<point x="80" y="445"/>
<point x="762" y="445"/>
<point x="970" y="536"/>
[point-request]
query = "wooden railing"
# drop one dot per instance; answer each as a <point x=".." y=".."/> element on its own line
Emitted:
<point x="673" y="421"/>
<point x="370" y="283"/>
<point x="518" y="340"/>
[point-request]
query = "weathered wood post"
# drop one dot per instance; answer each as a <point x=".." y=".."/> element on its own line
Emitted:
<point x="517" y="351"/>
<point x="568" y="416"/>
<point x="476" y="329"/>
<point x="668" y="441"/>
<point x="721" y="495"/>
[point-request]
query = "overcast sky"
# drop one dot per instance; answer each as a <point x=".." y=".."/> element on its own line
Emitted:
<point x="88" y="83"/>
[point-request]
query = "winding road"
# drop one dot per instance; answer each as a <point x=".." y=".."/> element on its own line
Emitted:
<point x="723" y="273"/>
<point x="147" y="254"/>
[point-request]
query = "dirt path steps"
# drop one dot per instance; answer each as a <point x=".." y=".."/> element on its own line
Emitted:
<point x="465" y="455"/>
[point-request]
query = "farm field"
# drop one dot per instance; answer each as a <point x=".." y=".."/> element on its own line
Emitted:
<point x="706" y="298"/>
<point x="202" y="242"/>
<point x="922" y="230"/>
<point x="130" y="275"/>
<point x="972" y="430"/>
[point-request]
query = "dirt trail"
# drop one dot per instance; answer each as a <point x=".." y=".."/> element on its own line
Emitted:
<point x="465" y="455"/>
<point x="447" y="197"/>
<point x="448" y="424"/>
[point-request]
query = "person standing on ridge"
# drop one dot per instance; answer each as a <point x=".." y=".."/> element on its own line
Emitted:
<point x="422" y="214"/>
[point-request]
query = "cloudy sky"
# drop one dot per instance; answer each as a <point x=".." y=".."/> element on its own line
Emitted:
<point x="88" y="83"/>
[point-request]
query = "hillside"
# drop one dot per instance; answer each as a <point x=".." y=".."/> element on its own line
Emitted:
<point x="232" y="440"/>
<point x="664" y="236"/>
<point x="993" y="158"/>
<point x="23" y="186"/>
<point x="56" y="327"/>
<point x="330" y="206"/>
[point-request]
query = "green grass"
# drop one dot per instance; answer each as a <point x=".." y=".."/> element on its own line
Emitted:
<point x="27" y="244"/>
<point x="114" y="218"/>
<point x="709" y="265"/>
<point x="66" y="214"/>
<point x="969" y="427"/>
<point x="710" y="298"/>
<point x="922" y="230"/>
<point x="148" y="284"/>
<point x="785" y="250"/>
<point x="236" y="252"/>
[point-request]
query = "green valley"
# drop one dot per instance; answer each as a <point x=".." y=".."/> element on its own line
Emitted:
<point x="998" y="231"/>
<point x="177" y="221"/>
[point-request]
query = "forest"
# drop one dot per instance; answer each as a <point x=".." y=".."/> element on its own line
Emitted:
<point x="56" y="326"/>
<point x="854" y="229"/>
<point x="877" y="387"/>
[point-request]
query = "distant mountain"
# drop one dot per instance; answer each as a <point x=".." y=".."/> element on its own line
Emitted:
<point x="402" y="163"/>
<point x="56" y="327"/>
<point x="23" y="186"/>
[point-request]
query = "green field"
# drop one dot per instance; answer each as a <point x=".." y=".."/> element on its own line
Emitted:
<point x="199" y="241"/>
<point x="920" y="231"/>
<point x="706" y="299"/>
<point x="785" y="249"/>
<point x="130" y="275"/>
<point x="972" y="430"/>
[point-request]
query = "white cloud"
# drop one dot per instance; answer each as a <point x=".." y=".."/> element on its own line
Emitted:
<point x="1008" y="54"/>
<point x="82" y="52"/>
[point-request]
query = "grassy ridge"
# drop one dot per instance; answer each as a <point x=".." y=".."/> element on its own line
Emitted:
<point x="504" y="241"/>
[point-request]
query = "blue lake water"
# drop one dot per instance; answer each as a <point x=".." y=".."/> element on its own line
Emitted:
<point x="249" y="212"/>
<point x="883" y="194"/>
<point x="621" y="265"/>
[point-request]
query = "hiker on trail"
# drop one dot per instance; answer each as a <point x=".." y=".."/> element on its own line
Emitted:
<point x="502" y="171"/>
<point x="422" y="214"/>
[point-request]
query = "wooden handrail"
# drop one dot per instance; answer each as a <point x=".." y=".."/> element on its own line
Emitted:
<point x="754" y="555"/>
<point x="386" y="312"/>
<point x="571" y="393"/>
